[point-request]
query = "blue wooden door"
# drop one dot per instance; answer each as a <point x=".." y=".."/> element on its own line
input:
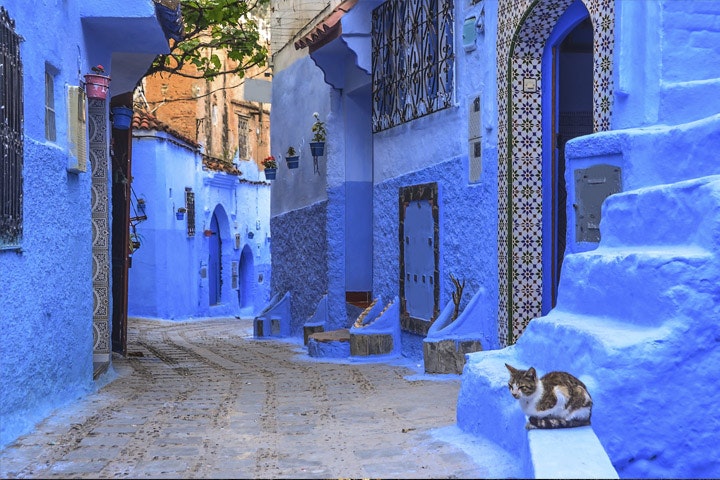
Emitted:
<point x="419" y="259"/>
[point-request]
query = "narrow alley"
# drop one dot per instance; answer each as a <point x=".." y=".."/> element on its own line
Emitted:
<point x="203" y="399"/>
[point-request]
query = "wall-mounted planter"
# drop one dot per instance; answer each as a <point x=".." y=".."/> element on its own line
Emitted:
<point x="270" y="173"/>
<point x="180" y="214"/>
<point x="317" y="149"/>
<point x="122" y="117"/>
<point x="293" y="162"/>
<point x="96" y="86"/>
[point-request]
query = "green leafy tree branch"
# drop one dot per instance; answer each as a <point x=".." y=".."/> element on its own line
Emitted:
<point x="212" y="26"/>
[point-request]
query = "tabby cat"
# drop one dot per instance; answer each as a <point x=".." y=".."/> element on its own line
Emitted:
<point x="557" y="400"/>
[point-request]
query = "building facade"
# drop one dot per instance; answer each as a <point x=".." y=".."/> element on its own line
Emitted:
<point x="486" y="140"/>
<point x="62" y="304"/>
<point x="200" y="228"/>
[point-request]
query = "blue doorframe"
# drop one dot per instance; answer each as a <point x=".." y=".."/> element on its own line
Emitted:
<point x="214" y="265"/>
<point x="553" y="177"/>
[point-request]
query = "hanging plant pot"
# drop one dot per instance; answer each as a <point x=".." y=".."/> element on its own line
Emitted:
<point x="270" y="173"/>
<point x="293" y="162"/>
<point x="96" y="86"/>
<point x="179" y="215"/>
<point x="122" y="117"/>
<point x="317" y="148"/>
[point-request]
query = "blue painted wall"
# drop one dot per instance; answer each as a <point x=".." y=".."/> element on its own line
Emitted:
<point x="636" y="314"/>
<point x="46" y="304"/>
<point x="171" y="271"/>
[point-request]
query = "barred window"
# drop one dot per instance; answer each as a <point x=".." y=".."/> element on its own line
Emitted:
<point x="50" y="133"/>
<point x="412" y="60"/>
<point x="243" y="138"/>
<point x="190" y="207"/>
<point x="11" y="134"/>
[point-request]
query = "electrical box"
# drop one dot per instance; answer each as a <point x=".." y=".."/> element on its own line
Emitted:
<point x="592" y="186"/>
<point x="77" y="130"/>
<point x="474" y="139"/>
<point x="469" y="34"/>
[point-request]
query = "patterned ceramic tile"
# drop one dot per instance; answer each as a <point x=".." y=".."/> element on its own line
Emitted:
<point x="100" y="227"/>
<point x="523" y="29"/>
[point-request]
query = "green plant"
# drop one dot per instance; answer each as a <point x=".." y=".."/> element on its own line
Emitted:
<point x="211" y="26"/>
<point x="291" y="152"/>
<point x="318" y="129"/>
<point x="269" y="162"/>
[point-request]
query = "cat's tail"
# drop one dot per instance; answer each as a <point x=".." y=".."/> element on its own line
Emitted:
<point x="555" y="422"/>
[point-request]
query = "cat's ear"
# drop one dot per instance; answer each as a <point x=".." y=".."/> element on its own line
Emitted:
<point x="510" y="369"/>
<point x="531" y="373"/>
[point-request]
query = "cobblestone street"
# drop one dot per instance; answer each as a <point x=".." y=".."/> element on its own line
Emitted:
<point x="204" y="399"/>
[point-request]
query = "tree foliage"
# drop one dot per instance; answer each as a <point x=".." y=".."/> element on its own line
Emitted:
<point x="212" y="26"/>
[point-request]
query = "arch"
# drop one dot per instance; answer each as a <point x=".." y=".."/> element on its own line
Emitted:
<point x="522" y="37"/>
<point x="246" y="274"/>
<point x="219" y="235"/>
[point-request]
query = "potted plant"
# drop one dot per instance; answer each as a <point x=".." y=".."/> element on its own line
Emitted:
<point x="97" y="83"/>
<point x="317" y="145"/>
<point x="121" y="117"/>
<point x="180" y="214"/>
<point x="292" y="158"/>
<point x="141" y="206"/>
<point x="270" y="166"/>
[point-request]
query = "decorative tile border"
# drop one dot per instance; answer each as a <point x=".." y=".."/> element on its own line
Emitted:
<point x="99" y="199"/>
<point x="523" y="29"/>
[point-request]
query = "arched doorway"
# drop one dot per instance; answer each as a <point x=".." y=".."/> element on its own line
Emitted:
<point x="246" y="275"/>
<point x="524" y="30"/>
<point x="567" y="80"/>
<point x="214" y="262"/>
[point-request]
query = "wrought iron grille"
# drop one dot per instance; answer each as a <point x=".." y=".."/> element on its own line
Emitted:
<point x="412" y="60"/>
<point x="190" y="207"/>
<point x="11" y="133"/>
<point x="243" y="138"/>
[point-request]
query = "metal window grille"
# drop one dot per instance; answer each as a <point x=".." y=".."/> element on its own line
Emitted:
<point x="243" y="138"/>
<point x="11" y="133"/>
<point x="412" y="60"/>
<point x="190" y="207"/>
<point x="50" y="133"/>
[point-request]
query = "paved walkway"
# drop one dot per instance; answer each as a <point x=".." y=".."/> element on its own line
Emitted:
<point x="203" y="399"/>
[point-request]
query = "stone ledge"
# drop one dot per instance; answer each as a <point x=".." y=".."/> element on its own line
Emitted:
<point x="332" y="344"/>
<point x="448" y="356"/>
<point x="569" y="453"/>
<point x="342" y="335"/>
<point x="371" y="344"/>
<point x="309" y="330"/>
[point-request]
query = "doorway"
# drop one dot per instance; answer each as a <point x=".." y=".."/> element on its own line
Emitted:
<point x="567" y="113"/>
<point x="214" y="262"/>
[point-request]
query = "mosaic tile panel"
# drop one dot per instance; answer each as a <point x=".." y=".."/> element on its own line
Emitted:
<point x="100" y="218"/>
<point x="523" y="29"/>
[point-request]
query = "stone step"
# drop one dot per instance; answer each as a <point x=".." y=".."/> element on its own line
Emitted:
<point x="635" y="284"/>
<point x="635" y="218"/>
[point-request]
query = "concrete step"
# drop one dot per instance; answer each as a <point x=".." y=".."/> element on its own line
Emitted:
<point x="635" y="284"/>
<point x="635" y="218"/>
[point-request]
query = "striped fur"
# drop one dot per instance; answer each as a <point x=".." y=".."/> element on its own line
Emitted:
<point x="557" y="400"/>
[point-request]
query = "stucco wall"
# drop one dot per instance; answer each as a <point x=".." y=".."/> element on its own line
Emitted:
<point x="46" y="305"/>
<point x="299" y="260"/>
<point x="166" y="278"/>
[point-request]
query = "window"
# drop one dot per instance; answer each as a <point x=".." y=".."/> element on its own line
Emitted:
<point x="190" y="206"/>
<point x="11" y="141"/>
<point x="50" y="133"/>
<point x="243" y="137"/>
<point x="412" y="60"/>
